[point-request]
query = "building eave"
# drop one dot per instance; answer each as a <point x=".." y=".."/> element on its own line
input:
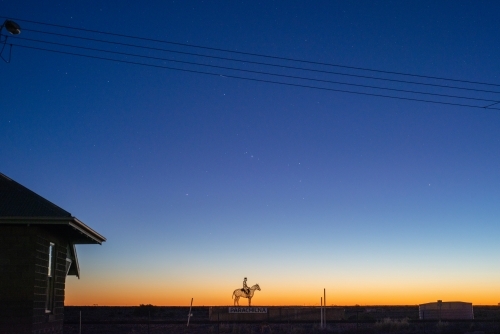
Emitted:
<point x="83" y="234"/>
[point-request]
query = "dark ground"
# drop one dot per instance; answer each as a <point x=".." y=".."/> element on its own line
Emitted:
<point x="362" y="319"/>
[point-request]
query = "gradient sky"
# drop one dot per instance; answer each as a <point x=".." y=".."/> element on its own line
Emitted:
<point x="197" y="181"/>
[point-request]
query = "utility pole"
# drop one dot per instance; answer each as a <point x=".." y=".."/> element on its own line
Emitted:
<point x="14" y="29"/>
<point x="324" y="312"/>
<point x="321" y="312"/>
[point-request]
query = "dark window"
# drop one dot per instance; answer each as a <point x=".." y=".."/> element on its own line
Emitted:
<point x="49" y="303"/>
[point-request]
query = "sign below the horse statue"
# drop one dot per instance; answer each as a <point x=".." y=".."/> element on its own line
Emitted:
<point x="248" y="310"/>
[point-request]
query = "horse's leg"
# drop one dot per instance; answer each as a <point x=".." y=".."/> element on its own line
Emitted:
<point x="236" y="300"/>
<point x="249" y="301"/>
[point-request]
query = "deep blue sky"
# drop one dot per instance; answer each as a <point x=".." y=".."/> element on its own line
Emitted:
<point x="199" y="180"/>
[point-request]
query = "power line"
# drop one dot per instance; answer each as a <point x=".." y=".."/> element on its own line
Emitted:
<point x="261" y="63"/>
<point x="488" y="106"/>
<point x="257" y="72"/>
<point x="259" y="80"/>
<point x="260" y="55"/>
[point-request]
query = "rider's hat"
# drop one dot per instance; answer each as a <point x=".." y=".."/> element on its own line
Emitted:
<point x="245" y="278"/>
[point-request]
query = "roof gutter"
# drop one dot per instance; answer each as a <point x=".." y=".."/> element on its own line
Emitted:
<point x="69" y="221"/>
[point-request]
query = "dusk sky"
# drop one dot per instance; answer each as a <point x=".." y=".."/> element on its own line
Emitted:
<point x="199" y="180"/>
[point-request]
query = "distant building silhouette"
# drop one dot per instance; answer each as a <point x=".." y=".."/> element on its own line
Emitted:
<point x="446" y="311"/>
<point x="37" y="252"/>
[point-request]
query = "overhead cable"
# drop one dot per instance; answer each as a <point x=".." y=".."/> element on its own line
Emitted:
<point x="260" y="80"/>
<point x="261" y="63"/>
<point x="258" y="55"/>
<point x="256" y="72"/>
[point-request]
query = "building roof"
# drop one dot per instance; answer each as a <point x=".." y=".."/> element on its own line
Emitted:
<point x="19" y="205"/>
<point x="18" y="201"/>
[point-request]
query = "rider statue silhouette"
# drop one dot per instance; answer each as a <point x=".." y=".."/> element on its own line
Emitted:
<point x="245" y="292"/>
<point x="245" y="289"/>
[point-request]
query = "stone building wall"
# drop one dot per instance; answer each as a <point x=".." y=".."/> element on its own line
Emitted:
<point x="277" y="314"/>
<point x="17" y="276"/>
<point x="42" y="321"/>
<point x="23" y="280"/>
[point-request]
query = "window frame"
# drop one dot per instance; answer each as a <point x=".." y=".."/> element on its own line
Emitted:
<point x="49" y="299"/>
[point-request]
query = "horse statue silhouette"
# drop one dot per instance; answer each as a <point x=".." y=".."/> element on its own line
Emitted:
<point x="241" y="293"/>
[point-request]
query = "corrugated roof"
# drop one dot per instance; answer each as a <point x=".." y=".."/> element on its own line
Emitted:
<point x="19" y="205"/>
<point x="18" y="201"/>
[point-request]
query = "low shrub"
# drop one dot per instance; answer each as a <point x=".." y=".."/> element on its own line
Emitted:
<point x="144" y="310"/>
<point x="393" y="325"/>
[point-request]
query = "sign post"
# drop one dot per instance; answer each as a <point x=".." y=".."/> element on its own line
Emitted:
<point x="190" y="314"/>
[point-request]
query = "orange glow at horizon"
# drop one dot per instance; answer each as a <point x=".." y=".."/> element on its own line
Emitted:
<point x="81" y="293"/>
